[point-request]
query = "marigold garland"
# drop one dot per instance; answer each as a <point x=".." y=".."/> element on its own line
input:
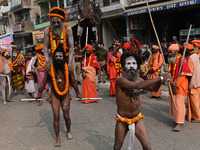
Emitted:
<point x="56" y="42"/>
<point x="41" y="60"/>
<point x="130" y="121"/>
<point x="39" y="47"/>
<point x="170" y="66"/>
<point x="66" y="82"/>
<point x="10" y="66"/>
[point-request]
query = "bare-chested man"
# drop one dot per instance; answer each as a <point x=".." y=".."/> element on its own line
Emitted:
<point x="58" y="34"/>
<point x="59" y="78"/>
<point x="129" y="116"/>
<point x="5" y="75"/>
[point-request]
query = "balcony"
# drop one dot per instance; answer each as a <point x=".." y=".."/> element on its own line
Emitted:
<point x="27" y="26"/>
<point x="20" y="5"/>
<point x="41" y="23"/>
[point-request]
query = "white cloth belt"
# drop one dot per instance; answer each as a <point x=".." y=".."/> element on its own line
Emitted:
<point x="132" y="133"/>
<point x="8" y="78"/>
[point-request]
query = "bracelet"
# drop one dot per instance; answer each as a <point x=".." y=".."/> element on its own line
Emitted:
<point x="161" y="77"/>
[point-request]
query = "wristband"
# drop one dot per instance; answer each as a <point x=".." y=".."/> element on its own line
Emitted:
<point x="161" y="77"/>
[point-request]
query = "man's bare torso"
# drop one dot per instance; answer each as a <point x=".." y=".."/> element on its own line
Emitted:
<point x="60" y="85"/>
<point x="127" y="101"/>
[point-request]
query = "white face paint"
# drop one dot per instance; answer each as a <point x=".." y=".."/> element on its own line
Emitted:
<point x="6" y="54"/>
<point x="14" y="54"/>
<point x="131" y="63"/>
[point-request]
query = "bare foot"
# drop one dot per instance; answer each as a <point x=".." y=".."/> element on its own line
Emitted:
<point x="40" y="103"/>
<point x="178" y="127"/>
<point x="58" y="143"/>
<point x="69" y="136"/>
<point x="195" y="121"/>
<point x="8" y="100"/>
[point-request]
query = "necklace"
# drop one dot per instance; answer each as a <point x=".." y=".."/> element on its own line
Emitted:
<point x="59" y="79"/>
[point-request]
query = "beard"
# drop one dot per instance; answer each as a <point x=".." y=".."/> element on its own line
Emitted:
<point x="172" y="58"/>
<point x="131" y="75"/>
<point x="57" y="31"/>
<point x="59" y="65"/>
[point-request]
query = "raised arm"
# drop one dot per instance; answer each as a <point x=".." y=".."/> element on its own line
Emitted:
<point x="69" y="34"/>
<point x="150" y="85"/>
<point x="46" y="44"/>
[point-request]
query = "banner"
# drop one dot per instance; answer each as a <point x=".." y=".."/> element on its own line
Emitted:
<point x="38" y="37"/>
<point x="5" y="41"/>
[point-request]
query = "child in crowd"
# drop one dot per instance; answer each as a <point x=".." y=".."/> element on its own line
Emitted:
<point x="143" y="69"/>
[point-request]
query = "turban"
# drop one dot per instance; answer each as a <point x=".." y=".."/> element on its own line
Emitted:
<point x="5" y="50"/>
<point x="189" y="46"/>
<point x="89" y="47"/>
<point x="174" y="47"/>
<point x="196" y="42"/>
<point x="127" y="45"/>
<point x="58" y="12"/>
<point x="39" y="47"/>
<point x="155" y="47"/>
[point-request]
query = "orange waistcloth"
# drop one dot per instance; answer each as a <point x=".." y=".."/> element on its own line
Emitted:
<point x="89" y="90"/>
<point x="193" y="111"/>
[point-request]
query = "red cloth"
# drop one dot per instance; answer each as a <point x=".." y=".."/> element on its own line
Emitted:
<point x="89" y="47"/>
<point x="184" y="71"/>
<point x="91" y="62"/>
<point x="127" y="45"/>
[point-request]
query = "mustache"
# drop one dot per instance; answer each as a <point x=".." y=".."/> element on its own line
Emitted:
<point x="131" y="74"/>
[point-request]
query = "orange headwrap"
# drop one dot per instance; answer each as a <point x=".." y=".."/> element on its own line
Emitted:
<point x="127" y="45"/>
<point x="196" y="42"/>
<point x="5" y="50"/>
<point x="155" y="47"/>
<point x="58" y="12"/>
<point x="39" y="47"/>
<point x="189" y="46"/>
<point x="89" y="47"/>
<point x="174" y="47"/>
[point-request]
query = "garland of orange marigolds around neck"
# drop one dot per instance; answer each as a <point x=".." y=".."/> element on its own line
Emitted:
<point x="41" y="60"/>
<point x="66" y="82"/>
<point x="56" y="42"/>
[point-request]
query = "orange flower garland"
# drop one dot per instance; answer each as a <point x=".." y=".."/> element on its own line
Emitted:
<point x="58" y="41"/>
<point x="66" y="82"/>
<point x="173" y="74"/>
<point x="14" y="63"/>
<point x="10" y="66"/>
<point x="130" y="121"/>
<point x="41" y="60"/>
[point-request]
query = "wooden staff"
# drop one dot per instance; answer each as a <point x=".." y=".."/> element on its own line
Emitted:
<point x="86" y="40"/>
<point x="170" y="89"/>
<point x="33" y="99"/>
<point x="78" y="99"/>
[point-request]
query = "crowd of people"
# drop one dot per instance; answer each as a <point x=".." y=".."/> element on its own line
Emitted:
<point x="59" y="63"/>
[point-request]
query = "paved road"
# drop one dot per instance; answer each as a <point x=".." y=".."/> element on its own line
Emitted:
<point x="26" y="126"/>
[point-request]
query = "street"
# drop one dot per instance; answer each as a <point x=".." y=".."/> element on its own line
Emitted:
<point x="26" y="126"/>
